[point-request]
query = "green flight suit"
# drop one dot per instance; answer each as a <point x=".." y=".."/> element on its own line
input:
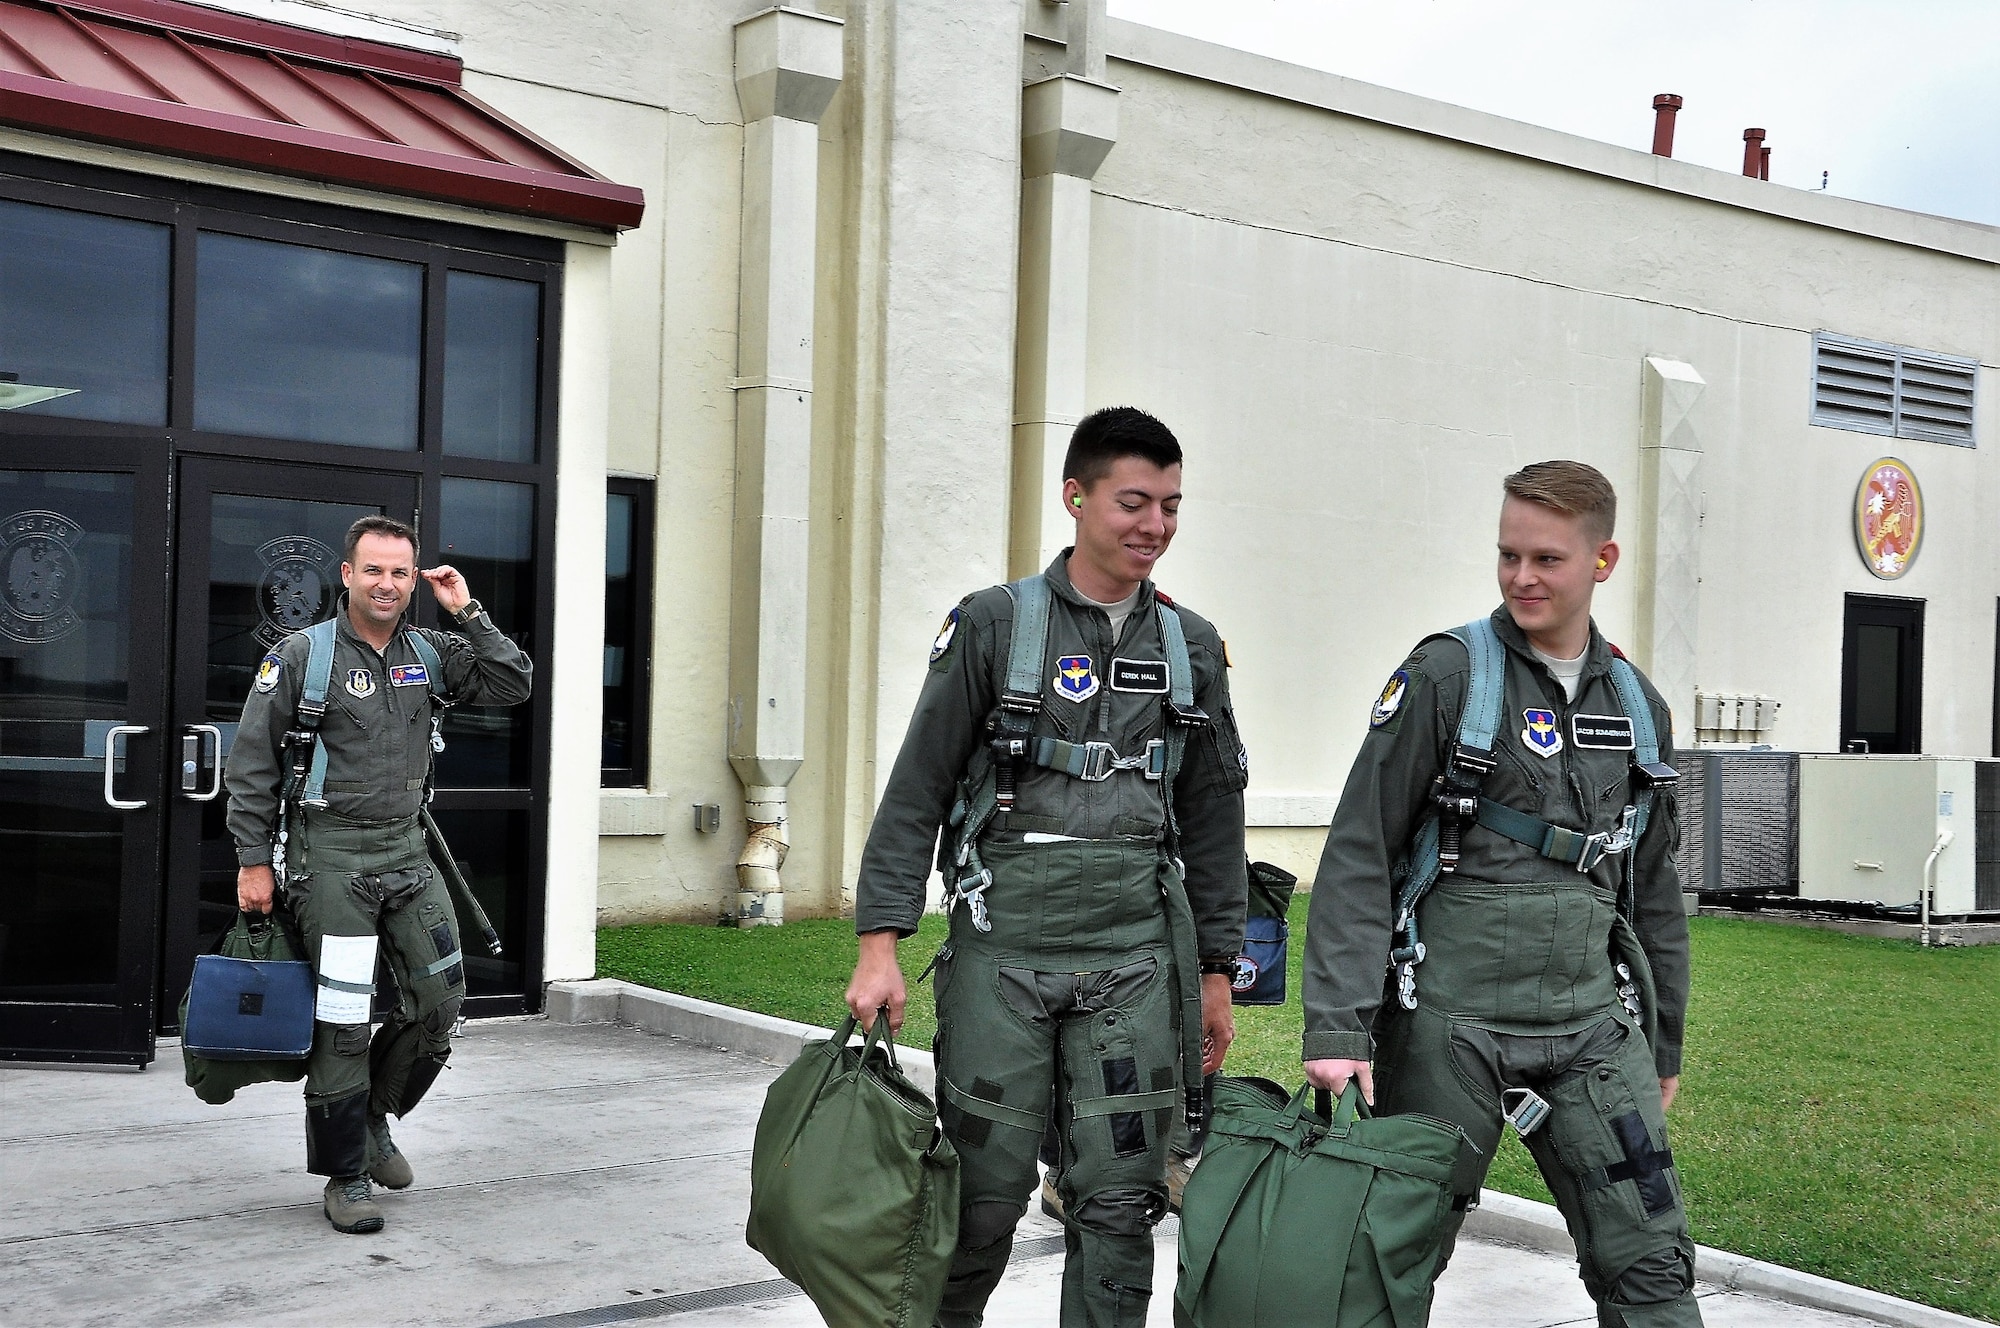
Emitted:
<point x="1518" y="988"/>
<point x="1074" y="986"/>
<point x="357" y="876"/>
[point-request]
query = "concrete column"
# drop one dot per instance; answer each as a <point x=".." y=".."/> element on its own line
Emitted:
<point x="1068" y="126"/>
<point x="1668" y="554"/>
<point x="788" y="66"/>
<point x="573" y="672"/>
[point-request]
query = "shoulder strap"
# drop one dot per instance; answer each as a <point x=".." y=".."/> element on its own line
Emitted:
<point x="312" y="706"/>
<point x="433" y="665"/>
<point x="1645" y="738"/>
<point x="1479" y="722"/>
<point x="1030" y="636"/>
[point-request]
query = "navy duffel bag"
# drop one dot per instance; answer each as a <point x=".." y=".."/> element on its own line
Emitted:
<point x="252" y="1001"/>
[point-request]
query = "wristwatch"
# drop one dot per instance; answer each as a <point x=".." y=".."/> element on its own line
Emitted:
<point x="1220" y="967"/>
<point x="463" y="618"/>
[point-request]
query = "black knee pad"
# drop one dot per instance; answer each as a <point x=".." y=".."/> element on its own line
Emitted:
<point x="403" y="1063"/>
<point x="1662" y="1275"/>
<point x="1120" y="1212"/>
<point x="981" y="1224"/>
<point x="337" y="1136"/>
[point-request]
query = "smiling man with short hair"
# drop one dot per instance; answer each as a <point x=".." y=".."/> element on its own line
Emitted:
<point x="1074" y="741"/>
<point x="1505" y="842"/>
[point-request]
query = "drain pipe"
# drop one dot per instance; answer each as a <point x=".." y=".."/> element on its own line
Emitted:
<point x="1930" y="881"/>
<point x="788" y="67"/>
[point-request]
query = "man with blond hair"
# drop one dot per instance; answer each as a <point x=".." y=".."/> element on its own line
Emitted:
<point x="1505" y="844"/>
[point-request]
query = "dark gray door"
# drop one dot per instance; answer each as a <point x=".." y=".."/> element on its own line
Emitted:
<point x="83" y="660"/>
<point x="1882" y="675"/>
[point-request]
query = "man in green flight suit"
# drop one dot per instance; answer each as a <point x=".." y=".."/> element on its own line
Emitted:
<point x="357" y="876"/>
<point x="1551" y="982"/>
<point x="1086" y="979"/>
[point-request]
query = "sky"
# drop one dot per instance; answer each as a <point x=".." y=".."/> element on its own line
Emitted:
<point x="1897" y="101"/>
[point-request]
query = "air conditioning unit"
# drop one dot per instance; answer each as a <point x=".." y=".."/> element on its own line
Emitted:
<point x="1868" y="824"/>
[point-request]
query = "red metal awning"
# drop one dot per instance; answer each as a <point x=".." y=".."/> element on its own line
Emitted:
<point x="170" y="77"/>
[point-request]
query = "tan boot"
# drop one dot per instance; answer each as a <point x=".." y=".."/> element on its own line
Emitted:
<point x="1178" y="1170"/>
<point x="1052" y="1204"/>
<point x="386" y="1164"/>
<point x="349" y="1206"/>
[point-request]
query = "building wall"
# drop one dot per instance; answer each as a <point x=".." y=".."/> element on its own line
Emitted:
<point x="1358" y="327"/>
<point x="1358" y="308"/>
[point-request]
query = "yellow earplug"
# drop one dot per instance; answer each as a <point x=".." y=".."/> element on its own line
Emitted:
<point x="1600" y="564"/>
<point x="1077" y="501"/>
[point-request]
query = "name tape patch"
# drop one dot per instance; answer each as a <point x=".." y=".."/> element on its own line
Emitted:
<point x="1139" y="675"/>
<point x="409" y="675"/>
<point x="1604" y="733"/>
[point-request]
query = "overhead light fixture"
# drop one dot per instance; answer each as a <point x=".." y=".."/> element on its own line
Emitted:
<point x="15" y="394"/>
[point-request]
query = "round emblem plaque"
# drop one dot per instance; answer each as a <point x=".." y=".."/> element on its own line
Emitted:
<point x="1888" y="518"/>
<point x="297" y="587"/>
<point x="39" y="577"/>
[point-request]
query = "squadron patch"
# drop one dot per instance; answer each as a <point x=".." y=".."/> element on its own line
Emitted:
<point x="268" y="673"/>
<point x="944" y="636"/>
<point x="1542" y="737"/>
<point x="360" y="683"/>
<point x="1076" y="679"/>
<point x="1390" y="702"/>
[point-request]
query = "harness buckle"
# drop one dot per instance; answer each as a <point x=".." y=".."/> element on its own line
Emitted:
<point x="1607" y="843"/>
<point x="1186" y="716"/>
<point x="972" y="895"/>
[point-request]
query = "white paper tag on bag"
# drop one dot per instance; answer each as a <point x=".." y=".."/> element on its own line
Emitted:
<point x="349" y="960"/>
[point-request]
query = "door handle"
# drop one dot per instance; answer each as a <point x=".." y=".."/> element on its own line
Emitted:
<point x="195" y="739"/>
<point x="111" y="736"/>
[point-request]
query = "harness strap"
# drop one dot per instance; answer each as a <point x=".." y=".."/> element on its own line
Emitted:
<point x="1119" y="1103"/>
<point x="987" y="1110"/>
<point x="1566" y="846"/>
<point x="1645" y="739"/>
<point x="358" y="988"/>
<point x="1097" y="761"/>
<point x="312" y="706"/>
<point x="312" y="700"/>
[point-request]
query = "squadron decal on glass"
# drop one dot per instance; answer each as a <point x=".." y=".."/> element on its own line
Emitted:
<point x="1542" y="736"/>
<point x="1076" y="679"/>
<point x="40" y="577"/>
<point x="297" y="588"/>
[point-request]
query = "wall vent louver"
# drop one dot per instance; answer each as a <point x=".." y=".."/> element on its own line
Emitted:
<point x="1872" y="387"/>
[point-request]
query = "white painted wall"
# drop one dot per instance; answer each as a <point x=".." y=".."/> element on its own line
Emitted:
<point x="1358" y="328"/>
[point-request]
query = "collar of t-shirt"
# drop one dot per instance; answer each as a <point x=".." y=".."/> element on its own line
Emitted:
<point x="1568" y="672"/>
<point x="1118" y="612"/>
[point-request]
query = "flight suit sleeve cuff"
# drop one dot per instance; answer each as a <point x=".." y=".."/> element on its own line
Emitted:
<point x="1339" y="1047"/>
<point x="1667" y="1061"/>
<point x="256" y="855"/>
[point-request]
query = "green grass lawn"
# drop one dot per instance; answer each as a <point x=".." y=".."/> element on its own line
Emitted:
<point x="1839" y="1110"/>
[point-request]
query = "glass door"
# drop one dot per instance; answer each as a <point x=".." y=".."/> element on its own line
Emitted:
<point x="1882" y="675"/>
<point x="82" y="667"/>
<point x="258" y="554"/>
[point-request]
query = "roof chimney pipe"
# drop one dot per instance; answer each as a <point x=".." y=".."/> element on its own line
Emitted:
<point x="1664" y="108"/>
<point x="1764" y="165"/>
<point x="1753" y="153"/>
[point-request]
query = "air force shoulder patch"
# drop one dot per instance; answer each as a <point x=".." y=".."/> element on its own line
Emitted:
<point x="269" y="672"/>
<point x="1390" y="703"/>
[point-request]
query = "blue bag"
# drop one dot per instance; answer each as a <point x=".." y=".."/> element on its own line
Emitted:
<point x="1260" y="969"/>
<point x="253" y="1001"/>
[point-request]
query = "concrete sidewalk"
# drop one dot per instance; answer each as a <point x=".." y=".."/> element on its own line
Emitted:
<point x="566" y="1174"/>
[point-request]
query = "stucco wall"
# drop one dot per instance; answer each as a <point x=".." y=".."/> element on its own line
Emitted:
<point x="1357" y="329"/>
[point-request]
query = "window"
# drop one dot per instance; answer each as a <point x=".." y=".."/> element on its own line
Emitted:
<point x="83" y="315"/>
<point x="628" y="630"/>
<point x="1871" y="387"/>
<point x="1882" y="675"/>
